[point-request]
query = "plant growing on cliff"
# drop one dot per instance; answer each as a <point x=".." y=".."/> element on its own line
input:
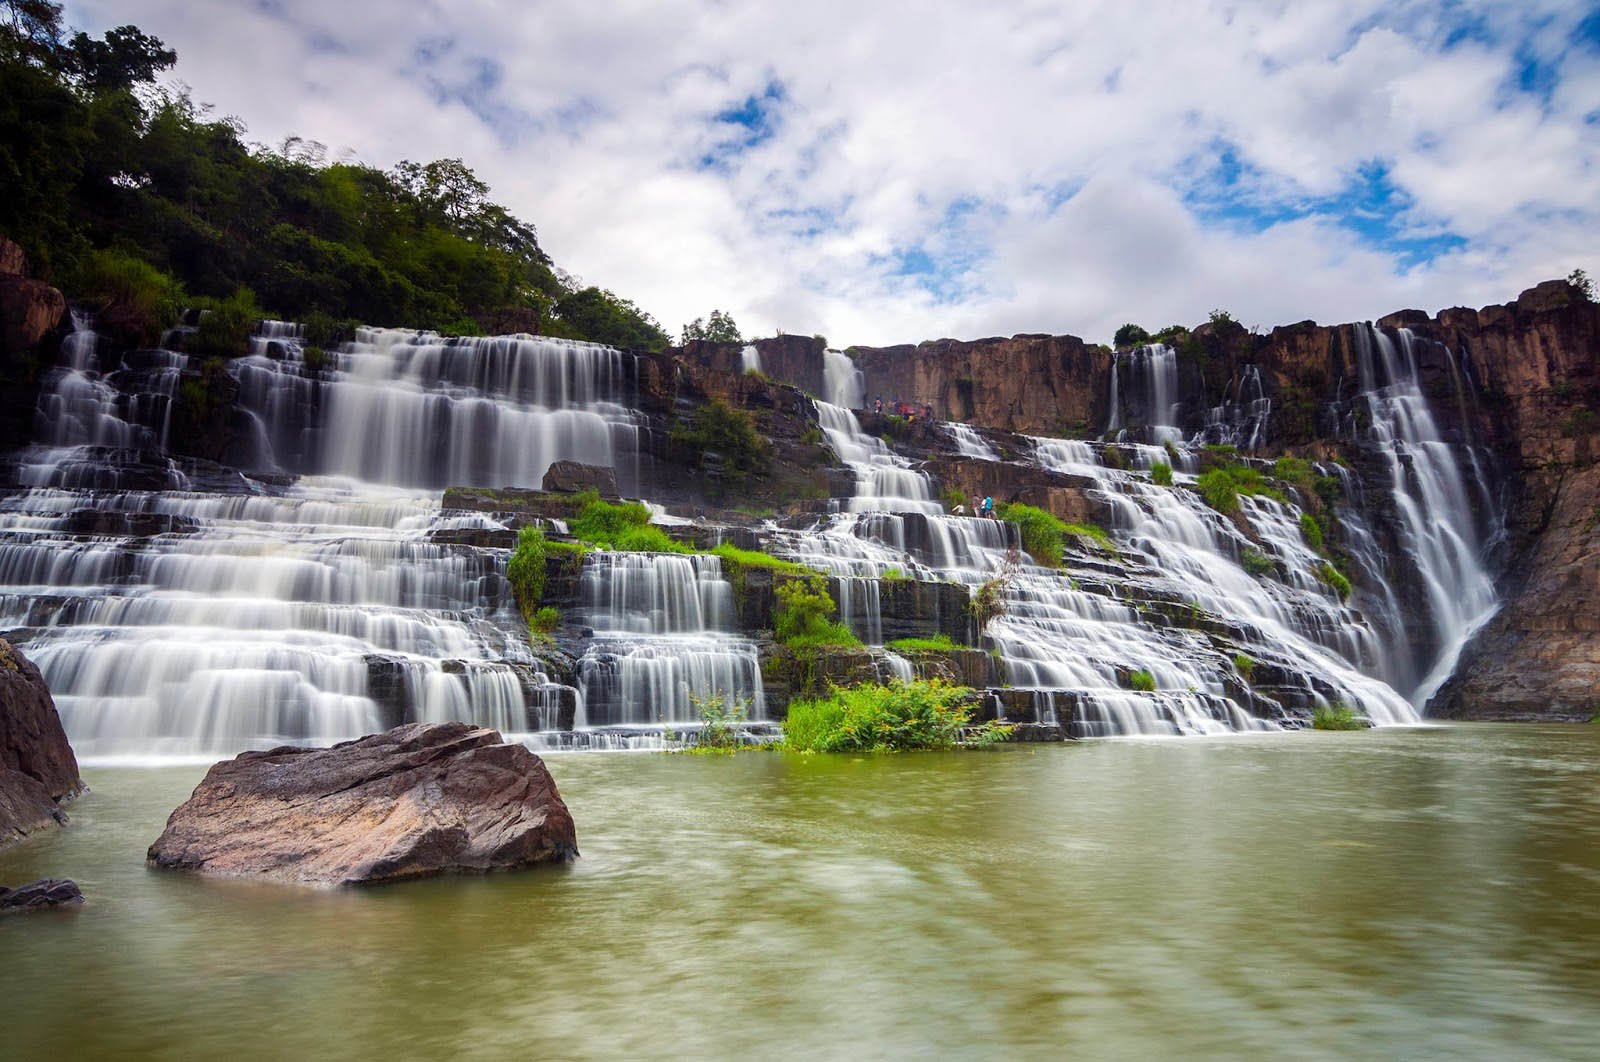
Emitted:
<point x="721" y="437"/>
<point x="939" y="643"/>
<point x="872" y="717"/>
<point x="140" y="298"/>
<point x="525" y="572"/>
<point x="1161" y="474"/>
<point x="989" y="599"/>
<point x="1041" y="531"/>
<point x="621" y="526"/>
<point x="803" y="616"/>
<point x="1334" y="578"/>
<point x="1256" y="562"/>
<point x="1581" y="284"/>
<point x="1142" y="681"/>
<point x="1245" y="666"/>
<point x="1311" y="529"/>
<point x="225" y="328"/>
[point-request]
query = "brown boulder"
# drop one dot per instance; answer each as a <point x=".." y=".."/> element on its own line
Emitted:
<point x="30" y="312"/>
<point x="13" y="260"/>
<point x="37" y="768"/>
<point x="415" y="801"/>
<point x="570" y="477"/>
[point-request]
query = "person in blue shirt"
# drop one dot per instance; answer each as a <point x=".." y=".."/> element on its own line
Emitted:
<point x="988" y="505"/>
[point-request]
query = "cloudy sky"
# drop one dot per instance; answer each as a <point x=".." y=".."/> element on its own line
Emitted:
<point x="891" y="171"/>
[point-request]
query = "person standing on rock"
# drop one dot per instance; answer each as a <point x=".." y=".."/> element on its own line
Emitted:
<point x="988" y="505"/>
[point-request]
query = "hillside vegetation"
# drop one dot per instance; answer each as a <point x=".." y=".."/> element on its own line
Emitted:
<point x="138" y="196"/>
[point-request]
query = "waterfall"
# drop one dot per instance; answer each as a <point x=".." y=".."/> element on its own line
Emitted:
<point x="661" y="641"/>
<point x="842" y="382"/>
<point x="749" y="359"/>
<point x="1442" y="533"/>
<point x="1146" y="381"/>
<point x="969" y="443"/>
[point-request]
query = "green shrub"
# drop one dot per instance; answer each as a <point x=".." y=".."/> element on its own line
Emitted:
<point x="1312" y="530"/>
<point x="546" y="619"/>
<point x="802" y="620"/>
<point x="720" y="719"/>
<point x="1222" y="484"/>
<point x="717" y="428"/>
<point x="1130" y="335"/>
<point x="1245" y="666"/>
<point x="1296" y="470"/>
<point x="1328" y="489"/>
<point x="989" y="599"/>
<point x="1334" y="578"/>
<point x="1161" y="474"/>
<point x="225" y="327"/>
<point x="1338" y="717"/>
<point x="1041" y="531"/>
<point x="879" y="717"/>
<point x="1142" y="681"/>
<point x="144" y="298"/>
<point x="314" y="359"/>
<point x="1218" y="489"/>
<point x="1094" y="534"/>
<point x="525" y="571"/>
<point x="1256" y="562"/>
<point x="939" y="643"/>
<point x="952" y="498"/>
<point x="894" y="575"/>
<point x="621" y="526"/>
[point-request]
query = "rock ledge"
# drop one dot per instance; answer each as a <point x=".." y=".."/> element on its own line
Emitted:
<point x="418" y="800"/>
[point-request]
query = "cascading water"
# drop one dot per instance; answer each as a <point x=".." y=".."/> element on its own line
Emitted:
<point x="180" y="623"/>
<point x="1144" y="392"/>
<point x="749" y="359"/>
<point x="662" y="641"/>
<point x="1444" y="535"/>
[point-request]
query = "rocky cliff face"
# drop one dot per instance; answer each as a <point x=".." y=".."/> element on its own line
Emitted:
<point x="38" y="772"/>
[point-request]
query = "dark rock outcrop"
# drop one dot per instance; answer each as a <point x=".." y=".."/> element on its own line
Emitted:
<point x="38" y="772"/>
<point x="39" y="895"/>
<point x="570" y="477"/>
<point x="415" y="801"/>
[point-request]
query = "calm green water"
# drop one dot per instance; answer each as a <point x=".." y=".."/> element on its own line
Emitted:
<point x="1420" y="893"/>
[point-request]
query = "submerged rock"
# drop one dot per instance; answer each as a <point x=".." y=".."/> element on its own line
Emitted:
<point x="418" y="800"/>
<point x="50" y="892"/>
<point x="38" y="771"/>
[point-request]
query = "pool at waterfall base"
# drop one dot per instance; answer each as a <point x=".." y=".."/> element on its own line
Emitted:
<point x="1408" y="891"/>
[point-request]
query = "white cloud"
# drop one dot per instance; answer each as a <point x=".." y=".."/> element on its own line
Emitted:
<point x="893" y="112"/>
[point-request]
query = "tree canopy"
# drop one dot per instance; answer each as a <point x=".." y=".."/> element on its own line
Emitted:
<point x="719" y="329"/>
<point x="96" y="160"/>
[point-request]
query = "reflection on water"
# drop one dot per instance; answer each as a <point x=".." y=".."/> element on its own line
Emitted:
<point x="1386" y="893"/>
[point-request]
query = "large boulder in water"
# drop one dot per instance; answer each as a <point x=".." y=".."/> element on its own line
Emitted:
<point x="570" y="477"/>
<point x="38" y="771"/>
<point x="418" y="800"/>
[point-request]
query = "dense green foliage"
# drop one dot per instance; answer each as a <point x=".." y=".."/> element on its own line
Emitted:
<point x="719" y="329"/>
<point x="1245" y="666"/>
<point x="1337" y="717"/>
<point x="525" y="571"/>
<point x="1143" y="681"/>
<point x="1094" y="534"/>
<point x="621" y="526"/>
<point x="1130" y="335"/>
<point x="733" y="556"/>
<point x="721" y="436"/>
<point x="1296" y="470"/>
<point x="873" y="717"/>
<point x="94" y="159"/>
<point x="1161" y="474"/>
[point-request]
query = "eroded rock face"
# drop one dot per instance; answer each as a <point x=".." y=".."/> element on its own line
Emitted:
<point x="38" y="771"/>
<point x="415" y="801"/>
<point x="570" y="477"/>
